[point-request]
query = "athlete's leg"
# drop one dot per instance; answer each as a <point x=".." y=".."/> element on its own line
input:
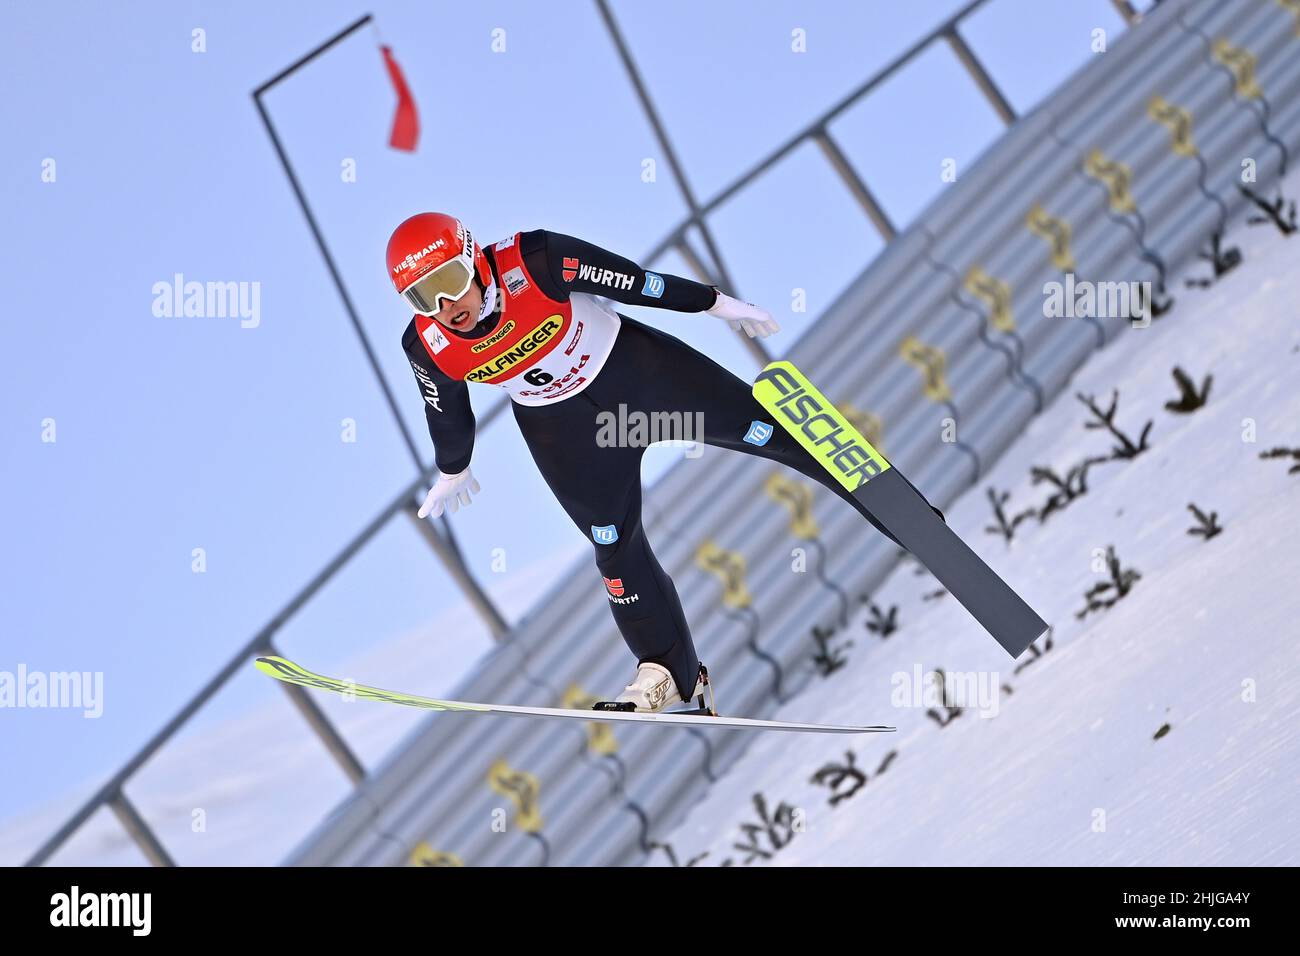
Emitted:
<point x="600" y="489"/>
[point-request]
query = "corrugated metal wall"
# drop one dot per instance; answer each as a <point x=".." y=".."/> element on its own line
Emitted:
<point x="1123" y="175"/>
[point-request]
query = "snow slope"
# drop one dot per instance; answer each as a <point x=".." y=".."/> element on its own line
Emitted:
<point x="1066" y="767"/>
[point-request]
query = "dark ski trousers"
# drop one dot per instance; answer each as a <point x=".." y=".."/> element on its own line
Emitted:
<point x="648" y="371"/>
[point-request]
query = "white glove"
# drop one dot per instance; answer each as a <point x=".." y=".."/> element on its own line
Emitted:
<point x="451" y="491"/>
<point x="757" y="323"/>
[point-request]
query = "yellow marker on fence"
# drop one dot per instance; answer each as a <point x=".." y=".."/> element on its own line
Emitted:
<point x="931" y="362"/>
<point x="797" y="496"/>
<point x="425" y="855"/>
<point x="1055" y="232"/>
<point x="995" y="294"/>
<point x="521" y="787"/>
<point x="1241" y="63"/>
<point x="1177" y="120"/>
<point x="1294" y="7"/>
<point x="1115" y="176"/>
<point x="730" y="567"/>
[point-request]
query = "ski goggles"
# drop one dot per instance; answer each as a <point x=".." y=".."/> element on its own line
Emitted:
<point x="450" y="280"/>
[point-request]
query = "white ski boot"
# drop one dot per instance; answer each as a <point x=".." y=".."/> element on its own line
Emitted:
<point x="654" y="690"/>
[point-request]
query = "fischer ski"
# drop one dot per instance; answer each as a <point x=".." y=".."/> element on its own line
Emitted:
<point x="830" y="438"/>
<point x="289" y="672"/>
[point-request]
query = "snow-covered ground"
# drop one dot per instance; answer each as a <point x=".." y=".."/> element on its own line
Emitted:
<point x="1162" y="730"/>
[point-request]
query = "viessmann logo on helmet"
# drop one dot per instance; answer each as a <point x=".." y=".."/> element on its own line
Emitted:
<point x="415" y="257"/>
<point x="520" y="350"/>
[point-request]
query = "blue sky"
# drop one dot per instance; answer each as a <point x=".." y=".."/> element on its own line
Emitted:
<point x="183" y="433"/>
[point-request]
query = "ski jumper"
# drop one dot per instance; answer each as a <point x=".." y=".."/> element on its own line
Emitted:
<point x="564" y="356"/>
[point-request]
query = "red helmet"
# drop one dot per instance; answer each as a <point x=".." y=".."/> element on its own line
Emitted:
<point x="433" y="256"/>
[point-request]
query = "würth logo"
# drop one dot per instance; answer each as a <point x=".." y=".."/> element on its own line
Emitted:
<point x="616" y="589"/>
<point x="570" y="268"/>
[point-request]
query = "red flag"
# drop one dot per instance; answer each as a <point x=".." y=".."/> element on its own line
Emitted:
<point x="406" y="122"/>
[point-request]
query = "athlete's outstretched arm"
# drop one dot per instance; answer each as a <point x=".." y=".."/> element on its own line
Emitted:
<point x="574" y="265"/>
<point x="446" y="408"/>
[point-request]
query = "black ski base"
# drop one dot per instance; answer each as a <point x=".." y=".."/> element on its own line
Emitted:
<point x="989" y="599"/>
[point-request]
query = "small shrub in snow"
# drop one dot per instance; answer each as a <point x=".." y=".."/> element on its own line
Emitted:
<point x="1005" y="526"/>
<point x="774" y="830"/>
<point x="1189" y="399"/>
<point x="1279" y="212"/>
<point x="672" y="854"/>
<point x="828" y="659"/>
<point x="950" y="713"/>
<point x="1293" y="453"/>
<point x="1209" y="525"/>
<point x="1222" y="260"/>
<point x="1035" y="652"/>
<point x="836" y="775"/>
<point x="1125" y="447"/>
<point x="1068" y="488"/>
<point x="1106" y="593"/>
<point x="883" y="624"/>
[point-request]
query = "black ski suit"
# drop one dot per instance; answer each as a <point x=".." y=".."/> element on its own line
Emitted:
<point x="647" y="371"/>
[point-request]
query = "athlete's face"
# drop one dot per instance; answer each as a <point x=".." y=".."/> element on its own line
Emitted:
<point x="461" y="314"/>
